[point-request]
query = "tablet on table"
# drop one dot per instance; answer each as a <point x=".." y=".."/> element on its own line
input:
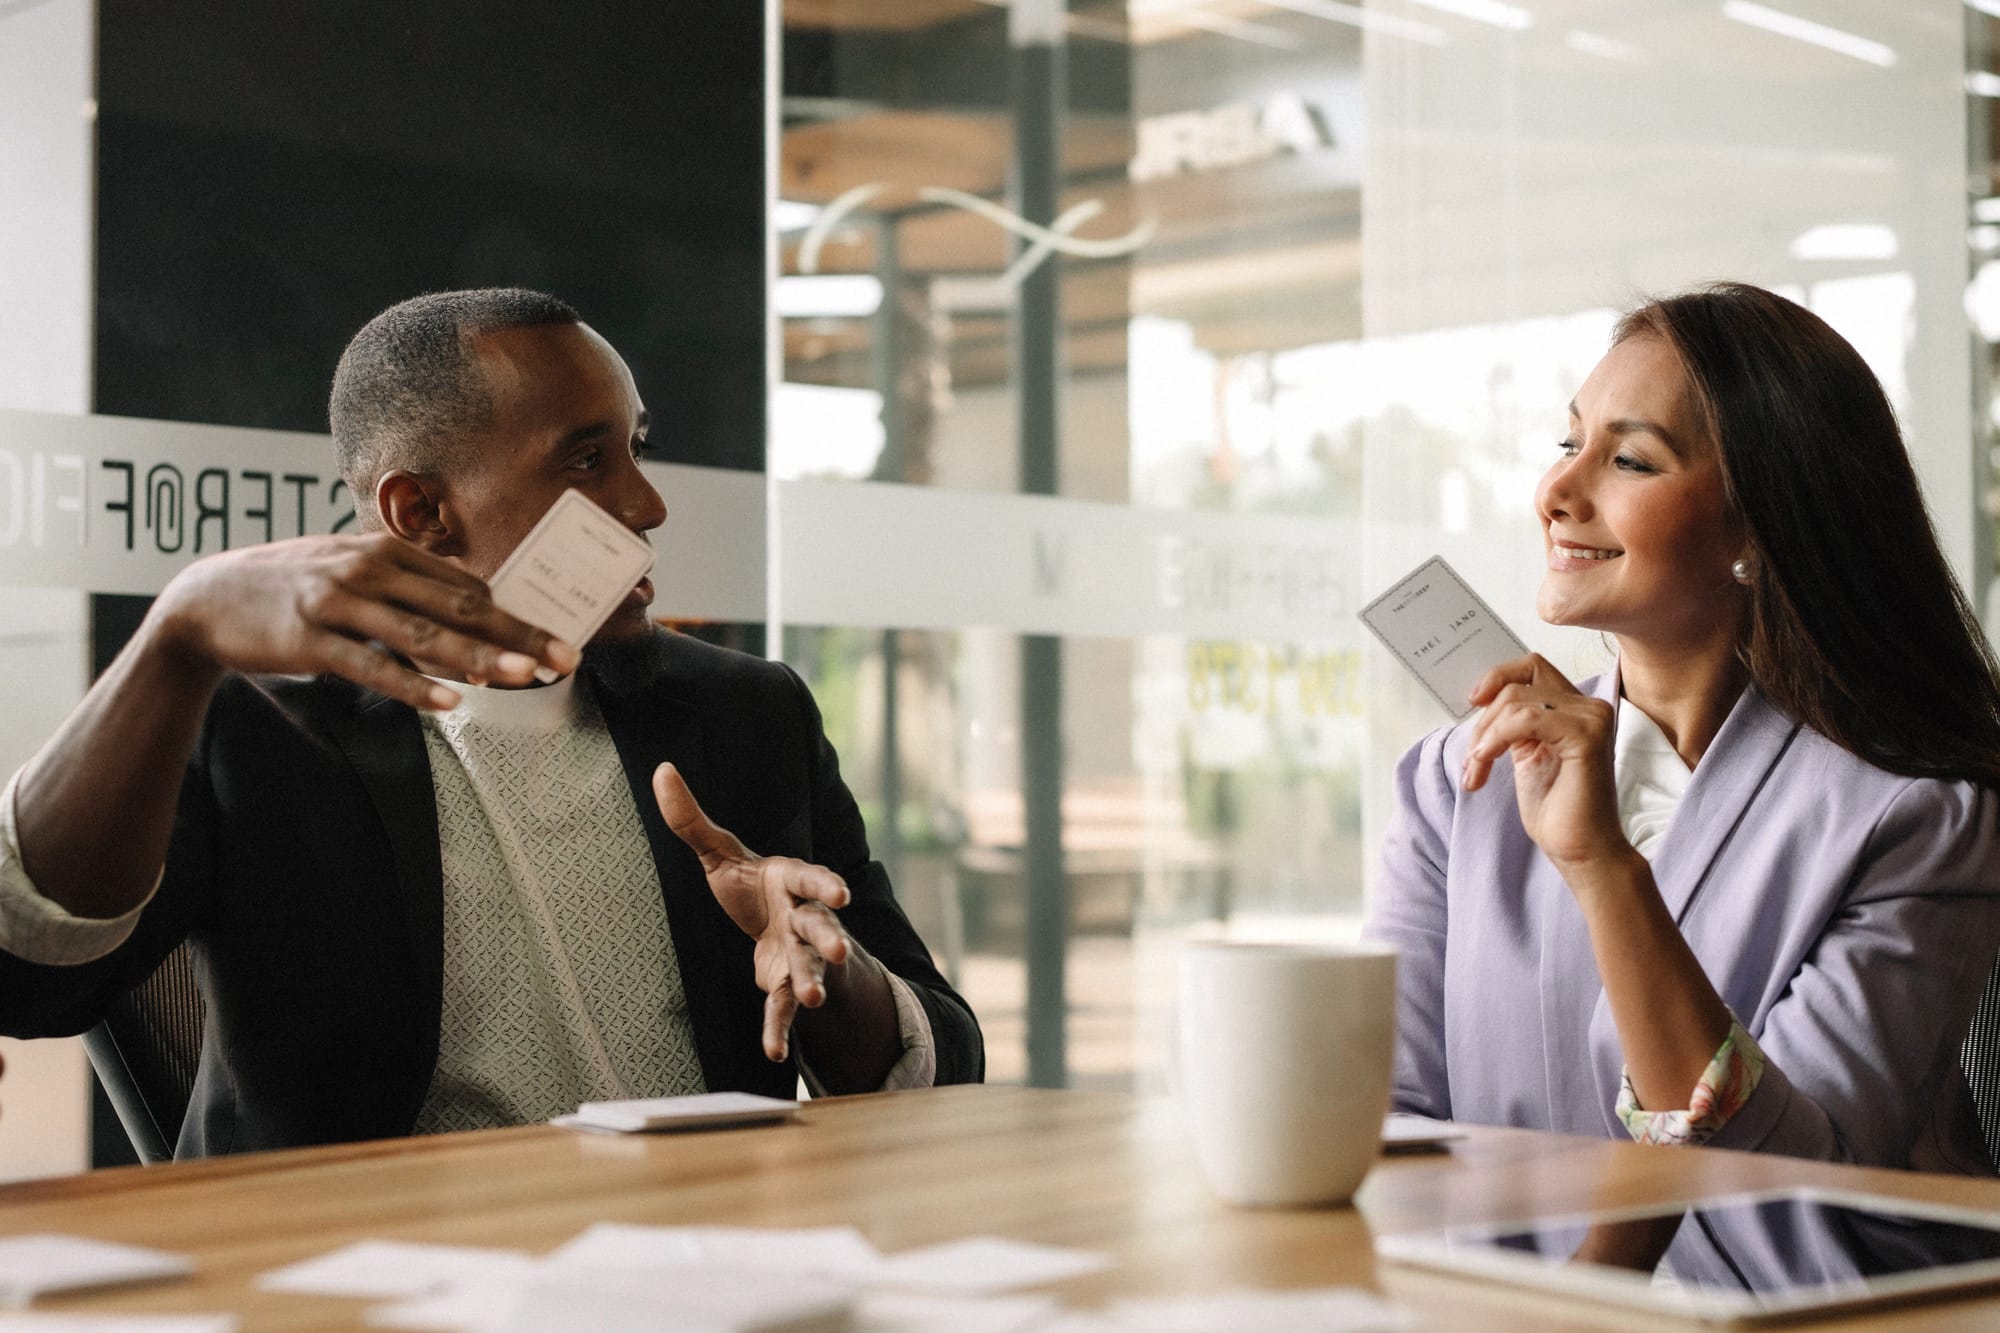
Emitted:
<point x="1736" y="1258"/>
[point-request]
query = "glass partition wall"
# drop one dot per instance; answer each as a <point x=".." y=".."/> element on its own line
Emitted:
<point x="1082" y="246"/>
<point x="1292" y="295"/>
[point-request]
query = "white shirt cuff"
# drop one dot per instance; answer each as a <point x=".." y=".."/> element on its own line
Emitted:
<point x="918" y="1067"/>
<point x="36" y="930"/>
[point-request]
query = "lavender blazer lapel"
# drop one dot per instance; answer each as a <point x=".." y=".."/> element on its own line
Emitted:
<point x="1738" y="765"/>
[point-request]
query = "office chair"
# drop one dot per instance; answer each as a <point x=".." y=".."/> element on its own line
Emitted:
<point x="145" y="1053"/>
<point x="1979" y="1059"/>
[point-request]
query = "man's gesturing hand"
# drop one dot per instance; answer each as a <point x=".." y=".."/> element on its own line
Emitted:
<point x="784" y="904"/>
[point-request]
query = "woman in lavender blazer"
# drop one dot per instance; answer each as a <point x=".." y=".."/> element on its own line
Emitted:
<point x="1793" y="966"/>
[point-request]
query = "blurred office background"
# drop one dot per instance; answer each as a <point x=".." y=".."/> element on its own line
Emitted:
<point x="1059" y="379"/>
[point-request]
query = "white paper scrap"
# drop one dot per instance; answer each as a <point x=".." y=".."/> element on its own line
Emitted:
<point x="703" y="1299"/>
<point x="1313" y="1310"/>
<point x="117" y="1323"/>
<point x="832" y="1252"/>
<point x="623" y="1245"/>
<point x="703" y="1110"/>
<point x="36" y="1265"/>
<point x="1402" y="1132"/>
<point x="983" y="1265"/>
<point x="910" y="1312"/>
<point x="381" y="1269"/>
<point x="468" y="1307"/>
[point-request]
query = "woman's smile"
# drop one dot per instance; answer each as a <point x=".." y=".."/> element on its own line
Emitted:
<point x="1566" y="556"/>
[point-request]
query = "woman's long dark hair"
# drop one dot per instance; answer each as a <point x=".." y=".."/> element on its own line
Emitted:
<point x="1857" y="627"/>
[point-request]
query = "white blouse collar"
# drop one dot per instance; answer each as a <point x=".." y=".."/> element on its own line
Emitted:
<point x="1650" y="775"/>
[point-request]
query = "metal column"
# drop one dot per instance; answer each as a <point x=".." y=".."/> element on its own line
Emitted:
<point x="1039" y="90"/>
<point x="889" y="357"/>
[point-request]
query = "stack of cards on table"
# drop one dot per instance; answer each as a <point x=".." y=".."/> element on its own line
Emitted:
<point x="613" y="1277"/>
<point x="707" y="1110"/>
<point x="617" y="1276"/>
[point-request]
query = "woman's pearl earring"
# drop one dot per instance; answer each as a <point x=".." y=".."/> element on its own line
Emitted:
<point x="1740" y="571"/>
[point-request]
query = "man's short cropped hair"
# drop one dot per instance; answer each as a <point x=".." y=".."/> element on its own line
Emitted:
<point x="409" y="390"/>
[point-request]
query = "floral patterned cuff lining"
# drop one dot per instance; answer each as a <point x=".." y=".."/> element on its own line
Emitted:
<point x="1723" y="1088"/>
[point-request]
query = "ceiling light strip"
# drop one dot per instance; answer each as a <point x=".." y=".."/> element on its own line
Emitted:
<point x="1805" y="30"/>
<point x="1491" y="12"/>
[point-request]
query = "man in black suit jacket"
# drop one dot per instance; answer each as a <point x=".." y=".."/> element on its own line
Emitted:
<point x="276" y="688"/>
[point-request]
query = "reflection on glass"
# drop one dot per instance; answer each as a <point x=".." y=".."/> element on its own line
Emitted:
<point x="1206" y="229"/>
<point x="1780" y="1249"/>
<point x="1377" y="251"/>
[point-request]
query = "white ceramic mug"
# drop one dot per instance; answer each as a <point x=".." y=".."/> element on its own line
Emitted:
<point x="1283" y="1055"/>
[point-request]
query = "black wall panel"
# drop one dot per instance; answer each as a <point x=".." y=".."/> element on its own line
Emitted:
<point x="271" y="174"/>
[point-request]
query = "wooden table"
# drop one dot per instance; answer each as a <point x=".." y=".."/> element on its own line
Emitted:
<point x="1099" y="1171"/>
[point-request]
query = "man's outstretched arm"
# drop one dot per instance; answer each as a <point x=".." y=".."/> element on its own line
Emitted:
<point x="346" y="605"/>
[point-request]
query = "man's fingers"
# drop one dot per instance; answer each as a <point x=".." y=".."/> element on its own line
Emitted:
<point x="805" y="881"/>
<point x="439" y="597"/>
<point x="819" y="928"/>
<point x="807" y="973"/>
<point x="779" y="1008"/>
<point x="376" y="670"/>
<point x="445" y="650"/>
<point x="711" y="842"/>
<point x="451" y="599"/>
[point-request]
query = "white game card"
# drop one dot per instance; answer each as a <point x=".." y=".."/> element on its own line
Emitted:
<point x="701" y="1110"/>
<point x="572" y="569"/>
<point x="1438" y="627"/>
<point x="37" y="1265"/>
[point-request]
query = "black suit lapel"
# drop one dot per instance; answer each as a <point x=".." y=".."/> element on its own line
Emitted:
<point x="384" y="742"/>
